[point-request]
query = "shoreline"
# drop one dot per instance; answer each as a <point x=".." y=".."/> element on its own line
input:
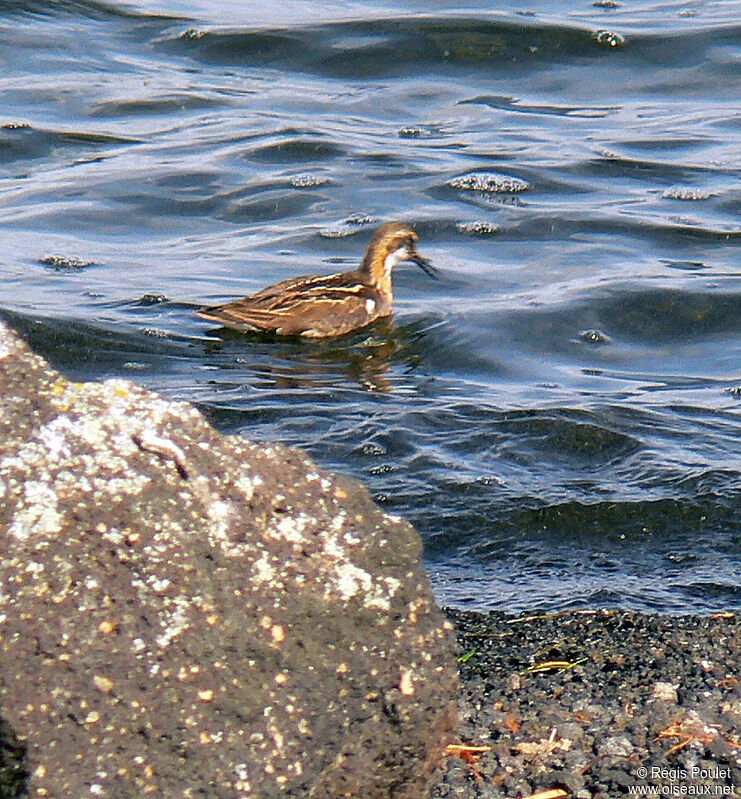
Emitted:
<point x="597" y="704"/>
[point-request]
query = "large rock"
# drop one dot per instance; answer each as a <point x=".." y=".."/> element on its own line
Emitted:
<point x="184" y="614"/>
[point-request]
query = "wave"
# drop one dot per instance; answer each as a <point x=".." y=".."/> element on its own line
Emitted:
<point x="85" y="9"/>
<point x="399" y="46"/>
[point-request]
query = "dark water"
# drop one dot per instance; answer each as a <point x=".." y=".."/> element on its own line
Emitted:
<point x="560" y="414"/>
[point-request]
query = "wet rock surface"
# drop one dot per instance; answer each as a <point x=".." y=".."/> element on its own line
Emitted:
<point x="598" y="704"/>
<point x="188" y="614"/>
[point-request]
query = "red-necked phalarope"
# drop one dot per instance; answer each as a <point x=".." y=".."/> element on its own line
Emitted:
<point x="319" y="306"/>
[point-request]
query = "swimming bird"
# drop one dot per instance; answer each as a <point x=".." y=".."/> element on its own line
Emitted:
<point x="321" y="306"/>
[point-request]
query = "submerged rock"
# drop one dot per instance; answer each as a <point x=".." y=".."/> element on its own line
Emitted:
<point x="188" y="614"/>
<point x="477" y="228"/>
<point x="686" y="193"/>
<point x="60" y="263"/>
<point x="489" y="182"/>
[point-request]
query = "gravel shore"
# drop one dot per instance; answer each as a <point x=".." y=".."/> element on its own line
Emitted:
<point x="597" y="704"/>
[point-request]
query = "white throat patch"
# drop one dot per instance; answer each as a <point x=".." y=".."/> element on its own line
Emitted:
<point x="395" y="257"/>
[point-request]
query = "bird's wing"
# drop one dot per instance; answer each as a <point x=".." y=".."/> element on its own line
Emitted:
<point x="310" y="306"/>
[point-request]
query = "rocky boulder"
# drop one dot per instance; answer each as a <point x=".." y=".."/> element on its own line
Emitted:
<point x="186" y="614"/>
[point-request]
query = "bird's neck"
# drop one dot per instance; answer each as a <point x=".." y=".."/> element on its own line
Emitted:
<point x="376" y="269"/>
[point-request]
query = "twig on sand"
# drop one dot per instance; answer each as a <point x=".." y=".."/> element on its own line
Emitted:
<point x="470" y="756"/>
<point x="687" y="731"/>
<point x="553" y="665"/>
<point x="552" y="793"/>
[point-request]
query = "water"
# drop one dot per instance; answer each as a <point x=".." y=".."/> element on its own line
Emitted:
<point x="559" y="414"/>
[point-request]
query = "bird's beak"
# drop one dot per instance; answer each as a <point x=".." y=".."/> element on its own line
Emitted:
<point x="423" y="264"/>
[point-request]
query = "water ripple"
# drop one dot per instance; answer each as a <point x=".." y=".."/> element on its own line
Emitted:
<point x="559" y="412"/>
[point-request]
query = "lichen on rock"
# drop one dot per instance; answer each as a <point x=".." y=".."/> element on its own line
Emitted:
<point x="184" y="613"/>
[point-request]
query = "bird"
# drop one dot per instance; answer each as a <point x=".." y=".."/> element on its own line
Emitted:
<point x="324" y="306"/>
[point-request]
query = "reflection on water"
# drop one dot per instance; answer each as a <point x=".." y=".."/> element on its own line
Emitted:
<point x="364" y="358"/>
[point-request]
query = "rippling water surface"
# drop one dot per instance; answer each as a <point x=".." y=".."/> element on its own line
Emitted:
<point x="559" y="414"/>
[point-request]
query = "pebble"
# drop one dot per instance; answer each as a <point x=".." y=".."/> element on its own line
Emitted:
<point x="602" y="726"/>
